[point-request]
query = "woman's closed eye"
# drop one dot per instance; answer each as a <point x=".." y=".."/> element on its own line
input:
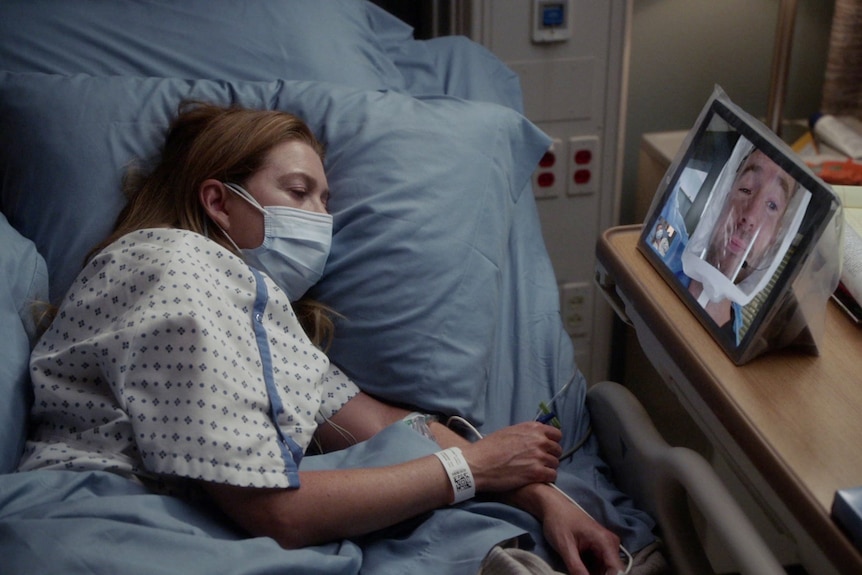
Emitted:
<point x="297" y="193"/>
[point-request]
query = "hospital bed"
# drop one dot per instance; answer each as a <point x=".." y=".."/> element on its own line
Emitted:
<point x="447" y="298"/>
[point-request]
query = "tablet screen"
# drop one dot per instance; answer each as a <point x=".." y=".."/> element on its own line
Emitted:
<point x="736" y="215"/>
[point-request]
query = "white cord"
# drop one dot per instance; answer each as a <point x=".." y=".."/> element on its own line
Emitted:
<point x="345" y="434"/>
<point x="560" y="392"/>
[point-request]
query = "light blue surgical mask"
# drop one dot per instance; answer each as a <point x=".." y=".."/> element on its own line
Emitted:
<point x="295" y="246"/>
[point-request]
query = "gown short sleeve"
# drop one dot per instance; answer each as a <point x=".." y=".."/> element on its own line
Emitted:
<point x="171" y="357"/>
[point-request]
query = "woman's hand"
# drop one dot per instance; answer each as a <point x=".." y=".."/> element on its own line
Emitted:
<point x="515" y="456"/>
<point x="504" y="460"/>
<point x="584" y="545"/>
<point x="517" y="462"/>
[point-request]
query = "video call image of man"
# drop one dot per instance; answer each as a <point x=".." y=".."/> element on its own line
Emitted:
<point x="742" y="236"/>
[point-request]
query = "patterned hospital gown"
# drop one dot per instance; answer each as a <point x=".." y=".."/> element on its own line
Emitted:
<point x="170" y="357"/>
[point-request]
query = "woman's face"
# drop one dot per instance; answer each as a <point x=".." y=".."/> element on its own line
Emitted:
<point x="751" y="215"/>
<point x="291" y="176"/>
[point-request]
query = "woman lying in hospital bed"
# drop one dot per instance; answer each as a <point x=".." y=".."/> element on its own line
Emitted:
<point x="184" y="357"/>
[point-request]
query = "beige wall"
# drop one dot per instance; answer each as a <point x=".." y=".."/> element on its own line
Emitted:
<point x="681" y="48"/>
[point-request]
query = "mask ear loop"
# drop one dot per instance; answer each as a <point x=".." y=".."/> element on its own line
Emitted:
<point x="244" y="194"/>
<point x="241" y="192"/>
<point x="230" y="239"/>
<point x="224" y="233"/>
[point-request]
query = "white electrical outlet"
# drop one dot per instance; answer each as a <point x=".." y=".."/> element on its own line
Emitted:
<point x="584" y="170"/>
<point x="576" y="305"/>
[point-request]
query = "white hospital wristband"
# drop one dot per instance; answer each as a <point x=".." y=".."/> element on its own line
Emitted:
<point x="459" y="473"/>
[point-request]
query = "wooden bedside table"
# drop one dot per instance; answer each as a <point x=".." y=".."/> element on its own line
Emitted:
<point x="789" y="424"/>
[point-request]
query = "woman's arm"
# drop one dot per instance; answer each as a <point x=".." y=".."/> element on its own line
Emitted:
<point x="343" y="503"/>
<point x="364" y="416"/>
<point x="570" y="531"/>
<point x="516" y="462"/>
<point x="336" y="504"/>
<point x="332" y="505"/>
<point x="567" y="528"/>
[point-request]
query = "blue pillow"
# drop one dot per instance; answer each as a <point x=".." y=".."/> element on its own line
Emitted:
<point x="423" y="195"/>
<point x="450" y="65"/>
<point x="329" y="40"/>
<point x="23" y="285"/>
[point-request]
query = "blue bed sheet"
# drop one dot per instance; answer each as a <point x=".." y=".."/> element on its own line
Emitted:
<point x="99" y="523"/>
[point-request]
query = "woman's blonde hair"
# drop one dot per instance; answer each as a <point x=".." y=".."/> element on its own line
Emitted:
<point x="203" y="142"/>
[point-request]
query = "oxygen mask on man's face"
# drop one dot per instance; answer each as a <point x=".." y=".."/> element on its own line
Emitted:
<point x="737" y="262"/>
<point x="731" y="249"/>
<point x="726" y="262"/>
